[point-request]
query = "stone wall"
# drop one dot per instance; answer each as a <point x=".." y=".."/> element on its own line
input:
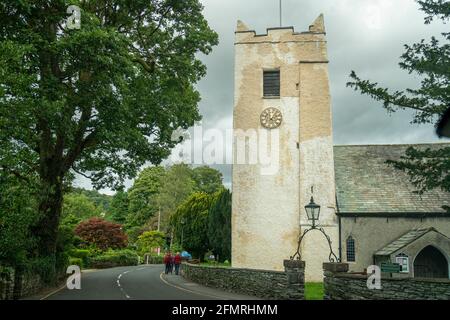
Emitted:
<point x="6" y="283"/>
<point x="340" y="285"/>
<point x="279" y="285"/>
<point x="15" y="286"/>
<point x="27" y="284"/>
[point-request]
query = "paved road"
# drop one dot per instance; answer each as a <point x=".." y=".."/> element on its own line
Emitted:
<point x="141" y="283"/>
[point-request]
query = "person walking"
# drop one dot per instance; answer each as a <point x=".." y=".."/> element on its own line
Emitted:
<point x="167" y="262"/>
<point x="172" y="263"/>
<point x="177" y="261"/>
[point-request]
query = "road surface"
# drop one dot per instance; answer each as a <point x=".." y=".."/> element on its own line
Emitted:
<point x="145" y="282"/>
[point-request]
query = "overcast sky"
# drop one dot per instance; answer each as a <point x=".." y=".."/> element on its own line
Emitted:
<point x="363" y="35"/>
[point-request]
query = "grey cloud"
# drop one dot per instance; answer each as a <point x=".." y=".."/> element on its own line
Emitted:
<point x="363" y="35"/>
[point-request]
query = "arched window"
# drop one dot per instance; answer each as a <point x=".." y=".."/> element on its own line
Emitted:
<point x="351" y="249"/>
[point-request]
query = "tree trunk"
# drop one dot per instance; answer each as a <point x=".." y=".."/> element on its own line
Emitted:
<point x="46" y="229"/>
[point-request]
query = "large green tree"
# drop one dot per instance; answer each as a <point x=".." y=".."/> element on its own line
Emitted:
<point x="17" y="214"/>
<point x="149" y="241"/>
<point x="219" y="225"/>
<point x="101" y="100"/>
<point x="177" y="186"/>
<point x="80" y="206"/>
<point x="207" y="179"/>
<point x="190" y="223"/>
<point x="428" y="168"/>
<point x="142" y="196"/>
<point x="119" y="207"/>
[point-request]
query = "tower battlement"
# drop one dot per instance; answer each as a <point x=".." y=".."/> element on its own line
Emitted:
<point x="316" y="32"/>
<point x="311" y="45"/>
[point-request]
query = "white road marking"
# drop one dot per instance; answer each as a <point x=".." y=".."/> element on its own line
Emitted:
<point x="161" y="276"/>
<point x="118" y="281"/>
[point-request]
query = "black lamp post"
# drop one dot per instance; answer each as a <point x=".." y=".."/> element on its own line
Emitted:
<point x="313" y="212"/>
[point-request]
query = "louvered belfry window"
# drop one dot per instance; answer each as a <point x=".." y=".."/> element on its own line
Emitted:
<point x="272" y="83"/>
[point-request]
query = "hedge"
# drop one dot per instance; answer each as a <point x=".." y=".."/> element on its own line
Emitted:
<point x="115" y="258"/>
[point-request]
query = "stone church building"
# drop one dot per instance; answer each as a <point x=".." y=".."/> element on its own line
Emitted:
<point x="368" y="209"/>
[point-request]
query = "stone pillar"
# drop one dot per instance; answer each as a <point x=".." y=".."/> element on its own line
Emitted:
<point x="329" y="270"/>
<point x="295" y="274"/>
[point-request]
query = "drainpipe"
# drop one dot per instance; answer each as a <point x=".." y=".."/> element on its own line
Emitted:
<point x="340" y="230"/>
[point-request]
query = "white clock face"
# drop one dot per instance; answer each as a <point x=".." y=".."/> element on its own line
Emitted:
<point x="271" y="118"/>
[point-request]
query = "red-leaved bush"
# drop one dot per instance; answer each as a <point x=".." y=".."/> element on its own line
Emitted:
<point x="102" y="233"/>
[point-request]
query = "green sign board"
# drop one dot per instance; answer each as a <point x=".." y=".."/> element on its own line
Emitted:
<point x="390" y="267"/>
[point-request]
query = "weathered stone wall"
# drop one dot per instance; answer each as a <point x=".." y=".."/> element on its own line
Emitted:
<point x="348" y="286"/>
<point x="27" y="284"/>
<point x="6" y="283"/>
<point x="16" y="286"/>
<point x="288" y="285"/>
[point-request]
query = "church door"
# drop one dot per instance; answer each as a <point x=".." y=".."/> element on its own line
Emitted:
<point x="430" y="263"/>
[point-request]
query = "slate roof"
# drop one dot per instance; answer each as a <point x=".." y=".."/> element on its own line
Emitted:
<point x="403" y="241"/>
<point x="366" y="184"/>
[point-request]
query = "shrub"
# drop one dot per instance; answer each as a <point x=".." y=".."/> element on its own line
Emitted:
<point x="101" y="233"/>
<point x="83" y="254"/>
<point x="115" y="258"/>
<point x="153" y="259"/>
<point x="77" y="262"/>
<point x="150" y="240"/>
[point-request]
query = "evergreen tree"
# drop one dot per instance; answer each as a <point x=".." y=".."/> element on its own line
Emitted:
<point x="190" y="224"/>
<point x="219" y="225"/>
<point x="119" y="207"/>
<point x="207" y="179"/>
<point x="429" y="168"/>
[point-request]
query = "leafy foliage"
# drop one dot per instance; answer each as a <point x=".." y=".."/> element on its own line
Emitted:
<point x="190" y="223"/>
<point x="158" y="188"/>
<point x="101" y="201"/>
<point x="119" y="207"/>
<point x="219" y="225"/>
<point x="101" y="100"/>
<point x="142" y="196"/>
<point x="207" y="179"/>
<point x="177" y="186"/>
<point x="17" y="214"/>
<point x="430" y="61"/>
<point x="101" y="233"/>
<point x="150" y="240"/>
<point x="79" y="206"/>
<point x="115" y="258"/>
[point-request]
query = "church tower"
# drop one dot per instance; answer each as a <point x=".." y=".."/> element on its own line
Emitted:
<point x="282" y="92"/>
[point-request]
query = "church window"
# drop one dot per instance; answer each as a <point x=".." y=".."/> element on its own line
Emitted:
<point x="403" y="260"/>
<point x="271" y="83"/>
<point x="351" y="249"/>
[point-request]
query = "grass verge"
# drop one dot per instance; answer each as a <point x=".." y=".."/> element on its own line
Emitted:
<point x="314" y="291"/>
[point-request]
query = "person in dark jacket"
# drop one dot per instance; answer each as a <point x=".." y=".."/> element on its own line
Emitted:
<point x="167" y="261"/>
<point x="177" y="261"/>
<point x="172" y="263"/>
